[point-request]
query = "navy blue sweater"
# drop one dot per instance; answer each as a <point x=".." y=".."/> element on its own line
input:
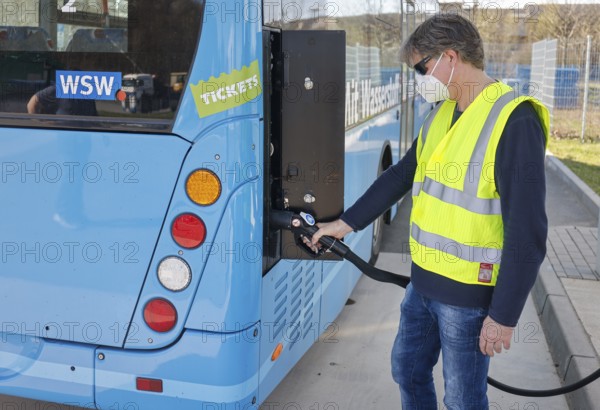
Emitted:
<point x="520" y="181"/>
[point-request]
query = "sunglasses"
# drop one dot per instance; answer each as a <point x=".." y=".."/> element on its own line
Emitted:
<point x="420" y="66"/>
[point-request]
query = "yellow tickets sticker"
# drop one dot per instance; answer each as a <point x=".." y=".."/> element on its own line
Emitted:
<point x="227" y="90"/>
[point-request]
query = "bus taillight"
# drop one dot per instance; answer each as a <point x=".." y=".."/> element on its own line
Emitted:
<point x="188" y="230"/>
<point x="203" y="187"/>
<point x="160" y="315"/>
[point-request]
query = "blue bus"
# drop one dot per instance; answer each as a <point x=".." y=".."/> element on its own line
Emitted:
<point x="138" y="267"/>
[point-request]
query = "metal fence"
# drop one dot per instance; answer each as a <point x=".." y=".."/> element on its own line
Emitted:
<point x="582" y="61"/>
<point x="576" y="106"/>
<point x="363" y="63"/>
<point x="507" y="60"/>
<point x="564" y="76"/>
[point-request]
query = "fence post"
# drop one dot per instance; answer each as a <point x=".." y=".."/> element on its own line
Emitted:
<point x="586" y="85"/>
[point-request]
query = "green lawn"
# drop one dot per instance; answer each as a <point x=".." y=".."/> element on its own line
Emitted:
<point x="567" y="123"/>
<point x="582" y="159"/>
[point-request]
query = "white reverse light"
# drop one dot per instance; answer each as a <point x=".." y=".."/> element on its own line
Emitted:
<point x="174" y="273"/>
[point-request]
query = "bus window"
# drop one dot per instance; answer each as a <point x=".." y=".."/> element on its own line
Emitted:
<point x="24" y="38"/>
<point x="117" y="55"/>
<point x="373" y="36"/>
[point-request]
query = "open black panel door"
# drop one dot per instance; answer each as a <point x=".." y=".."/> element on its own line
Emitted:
<point x="304" y="97"/>
<point x="312" y="127"/>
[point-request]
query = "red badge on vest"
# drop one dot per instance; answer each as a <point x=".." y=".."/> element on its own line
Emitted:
<point x="485" y="272"/>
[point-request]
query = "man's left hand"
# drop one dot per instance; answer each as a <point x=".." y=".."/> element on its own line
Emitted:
<point x="494" y="336"/>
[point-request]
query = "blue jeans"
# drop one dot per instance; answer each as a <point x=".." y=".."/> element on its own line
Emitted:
<point x="426" y="328"/>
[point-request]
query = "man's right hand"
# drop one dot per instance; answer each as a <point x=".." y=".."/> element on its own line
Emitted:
<point x="337" y="229"/>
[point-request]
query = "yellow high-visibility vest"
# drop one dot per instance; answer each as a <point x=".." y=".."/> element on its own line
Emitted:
<point x="456" y="227"/>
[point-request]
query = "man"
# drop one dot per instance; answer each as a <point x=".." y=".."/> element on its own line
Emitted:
<point x="46" y="102"/>
<point x="478" y="224"/>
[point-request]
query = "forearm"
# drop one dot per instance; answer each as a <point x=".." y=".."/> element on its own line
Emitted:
<point x="33" y="105"/>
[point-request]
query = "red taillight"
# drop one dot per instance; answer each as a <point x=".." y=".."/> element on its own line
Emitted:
<point x="188" y="231"/>
<point x="155" y="385"/>
<point x="160" y="315"/>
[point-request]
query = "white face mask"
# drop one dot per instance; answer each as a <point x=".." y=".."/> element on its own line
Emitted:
<point x="432" y="89"/>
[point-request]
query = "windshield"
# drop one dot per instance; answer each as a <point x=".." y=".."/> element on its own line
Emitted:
<point x="56" y="57"/>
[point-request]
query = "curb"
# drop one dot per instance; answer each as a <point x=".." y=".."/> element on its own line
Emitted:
<point x="584" y="193"/>
<point x="568" y="341"/>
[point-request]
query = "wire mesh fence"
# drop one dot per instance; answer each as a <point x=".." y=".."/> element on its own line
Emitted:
<point x="568" y="74"/>
<point x="577" y="108"/>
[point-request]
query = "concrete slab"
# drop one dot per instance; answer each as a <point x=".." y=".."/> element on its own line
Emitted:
<point x="583" y="294"/>
<point x="568" y="340"/>
<point x="586" y="398"/>
<point x="571" y="250"/>
<point x="528" y="365"/>
<point x="565" y="333"/>
<point x="547" y="284"/>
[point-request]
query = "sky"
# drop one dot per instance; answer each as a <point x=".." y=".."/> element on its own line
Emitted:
<point x="522" y="3"/>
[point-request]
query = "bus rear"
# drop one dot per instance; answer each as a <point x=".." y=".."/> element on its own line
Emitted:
<point x="115" y="220"/>
<point x="143" y="146"/>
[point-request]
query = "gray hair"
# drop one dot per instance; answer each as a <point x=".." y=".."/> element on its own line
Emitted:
<point x="442" y="32"/>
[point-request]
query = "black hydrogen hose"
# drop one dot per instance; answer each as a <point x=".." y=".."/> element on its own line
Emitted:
<point x="303" y="225"/>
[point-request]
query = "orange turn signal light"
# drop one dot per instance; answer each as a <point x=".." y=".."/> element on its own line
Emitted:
<point x="203" y="187"/>
<point x="277" y="352"/>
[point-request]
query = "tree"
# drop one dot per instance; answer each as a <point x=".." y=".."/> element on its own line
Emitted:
<point x="568" y="23"/>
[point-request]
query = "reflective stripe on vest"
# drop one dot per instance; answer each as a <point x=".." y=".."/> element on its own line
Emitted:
<point x="457" y="197"/>
<point x="460" y="250"/>
<point x="467" y="198"/>
<point x="471" y="180"/>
